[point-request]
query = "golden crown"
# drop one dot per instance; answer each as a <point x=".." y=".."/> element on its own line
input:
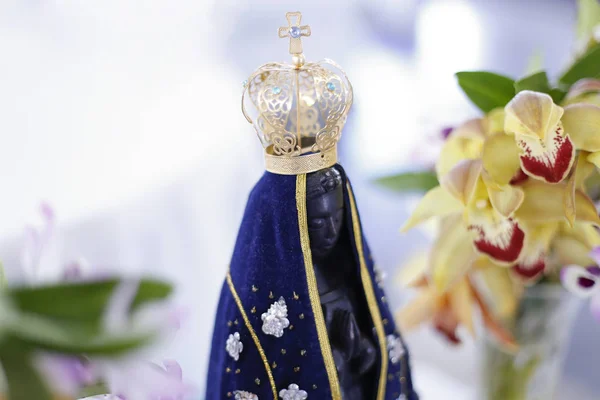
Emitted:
<point x="298" y="110"/>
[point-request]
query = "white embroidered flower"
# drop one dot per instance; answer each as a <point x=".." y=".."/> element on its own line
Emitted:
<point x="395" y="348"/>
<point x="241" y="395"/>
<point x="275" y="319"/>
<point x="234" y="346"/>
<point x="379" y="276"/>
<point x="293" y="392"/>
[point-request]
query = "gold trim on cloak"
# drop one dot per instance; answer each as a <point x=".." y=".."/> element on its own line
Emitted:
<point x="313" y="291"/>
<point x="315" y="299"/>
<point x="370" y="295"/>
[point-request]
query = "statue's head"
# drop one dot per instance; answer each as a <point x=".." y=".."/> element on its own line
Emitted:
<point x="325" y="210"/>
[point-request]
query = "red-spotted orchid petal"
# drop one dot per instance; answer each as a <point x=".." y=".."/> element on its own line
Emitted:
<point x="581" y="281"/>
<point x="547" y="152"/>
<point x="549" y="161"/>
<point x="498" y="236"/>
<point x="502" y="240"/>
<point x="529" y="272"/>
<point x="532" y="263"/>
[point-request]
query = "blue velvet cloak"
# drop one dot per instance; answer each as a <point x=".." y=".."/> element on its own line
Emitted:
<point x="272" y="260"/>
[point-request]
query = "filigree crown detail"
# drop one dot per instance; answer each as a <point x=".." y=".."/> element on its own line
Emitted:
<point x="298" y="110"/>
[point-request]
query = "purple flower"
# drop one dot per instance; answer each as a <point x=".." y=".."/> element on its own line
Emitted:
<point x="446" y="132"/>
<point x="65" y="374"/>
<point x="585" y="282"/>
<point x="39" y="251"/>
<point x="145" y="381"/>
<point x="128" y="378"/>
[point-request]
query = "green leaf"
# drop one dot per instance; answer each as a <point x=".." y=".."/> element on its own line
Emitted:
<point x="3" y="281"/>
<point x="588" y="66"/>
<point x="23" y="380"/>
<point x="486" y="89"/>
<point x="44" y="333"/>
<point x="588" y="18"/>
<point x="100" y="346"/>
<point x="537" y="82"/>
<point x="151" y="290"/>
<point x="93" y="390"/>
<point x="81" y="301"/>
<point x="558" y="95"/>
<point x="410" y="181"/>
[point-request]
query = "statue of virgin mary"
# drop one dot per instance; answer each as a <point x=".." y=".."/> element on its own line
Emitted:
<point x="302" y="314"/>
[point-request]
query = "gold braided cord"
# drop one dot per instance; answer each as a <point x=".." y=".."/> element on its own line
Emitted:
<point x="313" y="291"/>
<point x="301" y="164"/>
<point x="261" y="351"/>
<point x="371" y="300"/>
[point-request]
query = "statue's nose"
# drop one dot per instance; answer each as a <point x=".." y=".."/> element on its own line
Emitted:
<point x="332" y="230"/>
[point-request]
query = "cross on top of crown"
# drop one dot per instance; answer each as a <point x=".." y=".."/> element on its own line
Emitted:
<point x="294" y="31"/>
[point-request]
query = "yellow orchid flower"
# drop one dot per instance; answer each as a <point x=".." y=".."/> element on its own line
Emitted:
<point x="487" y="212"/>
<point x="484" y="187"/>
<point x="464" y="143"/>
<point x="543" y="214"/>
<point x="583" y="120"/>
<point x="547" y="151"/>
<point x="452" y="308"/>
<point x="572" y="244"/>
<point x="482" y="138"/>
<point x="586" y="90"/>
<point x="509" y="219"/>
<point x="502" y="290"/>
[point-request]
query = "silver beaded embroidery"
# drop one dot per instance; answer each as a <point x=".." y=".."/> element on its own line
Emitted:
<point x="234" y="346"/>
<point x="395" y="348"/>
<point x="379" y="276"/>
<point x="242" y="395"/>
<point x="293" y="392"/>
<point x="275" y="319"/>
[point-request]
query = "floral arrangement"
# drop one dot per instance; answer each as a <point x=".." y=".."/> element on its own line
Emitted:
<point x="81" y="334"/>
<point x="513" y="193"/>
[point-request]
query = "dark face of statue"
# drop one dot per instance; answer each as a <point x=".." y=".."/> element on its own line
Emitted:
<point x="325" y="211"/>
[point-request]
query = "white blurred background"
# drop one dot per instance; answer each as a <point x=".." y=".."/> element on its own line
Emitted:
<point x="124" y="114"/>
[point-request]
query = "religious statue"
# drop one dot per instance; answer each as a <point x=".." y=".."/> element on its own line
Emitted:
<point x="302" y="313"/>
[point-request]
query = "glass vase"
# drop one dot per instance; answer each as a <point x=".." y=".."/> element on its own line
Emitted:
<point x="541" y="326"/>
